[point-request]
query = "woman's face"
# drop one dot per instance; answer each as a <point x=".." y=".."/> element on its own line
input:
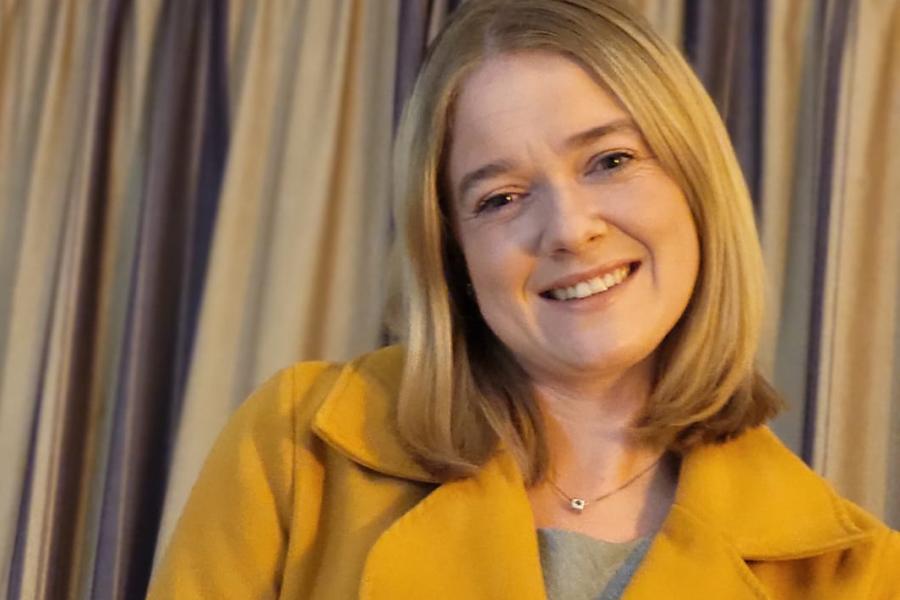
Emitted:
<point x="582" y="251"/>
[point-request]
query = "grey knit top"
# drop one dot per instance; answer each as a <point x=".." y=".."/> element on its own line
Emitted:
<point x="579" y="567"/>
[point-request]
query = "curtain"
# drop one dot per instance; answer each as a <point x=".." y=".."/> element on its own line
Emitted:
<point x="183" y="144"/>
<point x="302" y="235"/>
<point x="856" y="421"/>
<point x="48" y="118"/>
<point x="666" y="16"/>
<point x="194" y="194"/>
<point x="786" y="202"/>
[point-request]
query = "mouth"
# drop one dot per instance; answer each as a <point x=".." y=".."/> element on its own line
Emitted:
<point x="593" y="286"/>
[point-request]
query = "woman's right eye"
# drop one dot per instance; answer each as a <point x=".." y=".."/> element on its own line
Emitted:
<point x="495" y="202"/>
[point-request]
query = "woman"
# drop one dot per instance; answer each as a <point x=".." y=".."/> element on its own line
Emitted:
<point x="574" y="412"/>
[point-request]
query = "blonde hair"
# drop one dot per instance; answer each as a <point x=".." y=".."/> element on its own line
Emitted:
<point x="462" y="392"/>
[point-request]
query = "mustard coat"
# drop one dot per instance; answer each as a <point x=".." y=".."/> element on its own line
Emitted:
<point x="308" y="494"/>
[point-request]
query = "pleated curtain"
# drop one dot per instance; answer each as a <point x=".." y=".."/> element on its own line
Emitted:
<point x="52" y="67"/>
<point x="786" y="203"/>
<point x="856" y="406"/>
<point x="194" y="194"/>
<point x="110" y="349"/>
<point x="185" y="136"/>
<point x="298" y="258"/>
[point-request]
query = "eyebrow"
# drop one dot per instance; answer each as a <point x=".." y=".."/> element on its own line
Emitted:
<point x="492" y="169"/>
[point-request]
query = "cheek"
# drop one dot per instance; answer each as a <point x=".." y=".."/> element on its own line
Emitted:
<point x="684" y="237"/>
<point x="678" y="253"/>
<point x="489" y="269"/>
<point x="498" y="269"/>
<point x="667" y="228"/>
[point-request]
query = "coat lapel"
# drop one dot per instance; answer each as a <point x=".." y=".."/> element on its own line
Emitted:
<point x="472" y="538"/>
<point x="688" y="559"/>
<point x="763" y="500"/>
<point x="750" y="499"/>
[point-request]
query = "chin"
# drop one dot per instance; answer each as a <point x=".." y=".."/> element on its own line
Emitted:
<point x="598" y="362"/>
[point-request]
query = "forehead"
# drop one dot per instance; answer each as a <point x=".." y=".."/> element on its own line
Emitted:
<point x="513" y="101"/>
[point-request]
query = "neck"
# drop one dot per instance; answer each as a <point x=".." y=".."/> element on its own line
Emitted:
<point x="588" y="459"/>
<point x="587" y="425"/>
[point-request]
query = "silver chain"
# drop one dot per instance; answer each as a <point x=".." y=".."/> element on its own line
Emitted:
<point x="579" y="504"/>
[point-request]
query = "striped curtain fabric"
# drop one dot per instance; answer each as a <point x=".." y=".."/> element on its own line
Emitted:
<point x="299" y="252"/>
<point x="194" y="194"/>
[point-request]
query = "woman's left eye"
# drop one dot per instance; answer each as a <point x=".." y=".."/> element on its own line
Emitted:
<point x="609" y="162"/>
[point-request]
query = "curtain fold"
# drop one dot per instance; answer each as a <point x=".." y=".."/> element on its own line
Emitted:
<point x="137" y="202"/>
<point x="666" y="16"/>
<point x="785" y="200"/>
<point x="855" y="438"/>
<point x="44" y="183"/>
<point x="795" y="205"/>
<point x="123" y="164"/>
<point x="413" y="18"/>
<point x="184" y="144"/>
<point x="301" y="239"/>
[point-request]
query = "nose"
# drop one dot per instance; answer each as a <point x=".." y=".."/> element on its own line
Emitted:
<point x="573" y="219"/>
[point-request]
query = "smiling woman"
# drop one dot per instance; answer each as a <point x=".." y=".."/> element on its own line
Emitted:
<point x="565" y="141"/>
<point x="575" y="411"/>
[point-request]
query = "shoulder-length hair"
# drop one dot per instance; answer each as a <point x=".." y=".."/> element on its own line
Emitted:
<point x="462" y="392"/>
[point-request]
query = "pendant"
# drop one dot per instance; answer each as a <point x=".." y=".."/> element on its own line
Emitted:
<point x="577" y="504"/>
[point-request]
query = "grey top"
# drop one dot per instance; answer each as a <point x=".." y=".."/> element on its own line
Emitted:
<point x="579" y="567"/>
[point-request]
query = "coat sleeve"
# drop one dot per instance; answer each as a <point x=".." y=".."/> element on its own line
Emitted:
<point x="231" y="538"/>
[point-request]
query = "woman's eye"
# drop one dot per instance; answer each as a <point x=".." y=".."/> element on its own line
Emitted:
<point x="495" y="202"/>
<point x="610" y="162"/>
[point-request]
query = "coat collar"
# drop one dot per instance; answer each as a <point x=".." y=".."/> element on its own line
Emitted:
<point x="764" y="500"/>
<point x="747" y="499"/>
<point x="357" y="416"/>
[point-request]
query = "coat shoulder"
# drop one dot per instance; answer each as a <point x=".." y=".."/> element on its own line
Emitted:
<point x="865" y="520"/>
<point x="882" y="549"/>
<point x="255" y="505"/>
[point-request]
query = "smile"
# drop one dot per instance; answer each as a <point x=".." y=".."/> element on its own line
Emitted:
<point x="590" y="287"/>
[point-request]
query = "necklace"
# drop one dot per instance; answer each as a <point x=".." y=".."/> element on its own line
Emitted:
<point x="579" y="504"/>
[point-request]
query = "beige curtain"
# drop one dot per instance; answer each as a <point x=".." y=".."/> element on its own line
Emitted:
<point x="51" y="62"/>
<point x="787" y="224"/>
<point x="124" y="183"/>
<point x="667" y="16"/>
<point x="858" y="421"/>
<point x="297" y="264"/>
<point x="44" y="115"/>
<point x="836" y="214"/>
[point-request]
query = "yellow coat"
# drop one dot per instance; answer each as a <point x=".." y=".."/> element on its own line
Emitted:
<point x="308" y="495"/>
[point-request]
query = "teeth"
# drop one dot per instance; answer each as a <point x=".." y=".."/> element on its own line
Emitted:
<point x="592" y="286"/>
<point x="597" y="285"/>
